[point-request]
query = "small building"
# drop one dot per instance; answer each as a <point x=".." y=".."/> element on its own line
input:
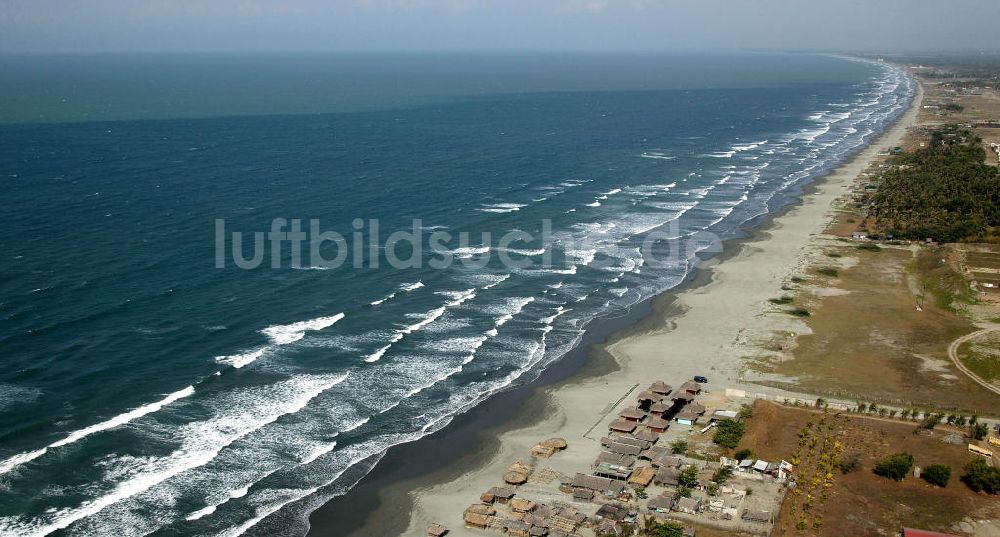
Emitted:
<point x="522" y="505"/>
<point x="613" y="511"/>
<point x="624" y="449"/>
<point x="682" y="398"/>
<point x="659" y="408"/>
<point x="622" y="426"/>
<point x="663" y="503"/>
<point x="646" y="435"/>
<point x="642" y="477"/>
<point x="600" y="485"/>
<point x="668" y="476"/>
<point x="660" y="388"/>
<point x="667" y="460"/>
<point x="725" y="415"/>
<point x="476" y="520"/>
<point x="611" y="470"/>
<point x="657" y="424"/>
<point x="501" y="494"/>
<point x="615" y="458"/>
<point x="859" y="236"/>
<point x="688" y="505"/>
<point x="583" y="495"/>
<point x="690" y="387"/>
<point x="632" y="414"/>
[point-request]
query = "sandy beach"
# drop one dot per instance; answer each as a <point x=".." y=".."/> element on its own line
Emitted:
<point x="701" y="331"/>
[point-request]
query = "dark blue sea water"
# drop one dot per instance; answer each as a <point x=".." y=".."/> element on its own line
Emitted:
<point x="144" y="390"/>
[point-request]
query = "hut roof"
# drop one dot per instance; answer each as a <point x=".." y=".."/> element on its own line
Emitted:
<point x="667" y="460"/>
<point x="632" y="413"/>
<point x="538" y="450"/>
<point x="515" y="478"/>
<point x="555" y="443"/>
<point x="658" y="423"/>
<point x="684" y="396"/>
<point x="660" y="387"/>
<point x="668" y="476"/>
<point x="631" y="440"/>
<point x="663" y="502"/>
<point x="615" y="458"/>
<point x="688" y="504"/>
<point x="537" y="531"/>
<point x="592" y="482"/>
<point x="481" y="509"/>
<point x="690" y="386"/>
<point x="659" y="408"/>
<point x="583" y="494"/>
<point x="436" y="530"/>
<point x="646" y="435"/>
<point x="642" y="476"/>
<point x="502" y="492"/>
<point x="725" y="415"/>
<point x="647" y="395"/>
<point x="697" y="408"/>
<point x="476" y="519"/>
<point x="622" y="426"/>
<point x="519" y="467"/>
<point x="624" y="449"/>
<point x="486" y="497"/>
<point x="756" y="516"/>
<point x="612" y="470"/>
<point x="613" y="512"/>
<point x="522" y="505"/>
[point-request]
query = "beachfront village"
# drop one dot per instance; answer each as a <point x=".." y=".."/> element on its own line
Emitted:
<point x="898" y="434"/>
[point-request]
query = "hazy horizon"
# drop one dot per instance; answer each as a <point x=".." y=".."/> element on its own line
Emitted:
<point x="915" y="26"/>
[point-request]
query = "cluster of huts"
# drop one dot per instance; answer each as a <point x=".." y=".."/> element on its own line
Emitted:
<point x="778" y="470"/>
<point x="656" y="406"/>
<point x="500" y="510"/>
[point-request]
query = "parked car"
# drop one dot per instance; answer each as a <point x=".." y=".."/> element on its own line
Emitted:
<point x="700" y="379"/>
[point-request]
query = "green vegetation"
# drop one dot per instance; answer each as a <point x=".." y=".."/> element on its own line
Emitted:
<point x="728" y="433"/>
<point x="689" y="476"/>
<point x="937" y="474"/>
<point x="743" y="454"/>
<point x="797" y="279"/>
<point x="947" y="287"/>
<point x="870" y="246"/>
<point x="834" y="255"/>
<point x="979" y="430"/>
<point x="798" y="312"/>
<point x="981" y="359"/>
<point x="930" y="421"/>
<point x="981" y="477"/>
<point x="946" y="191"/>
<point x="722" y="474"/>
<point x="828" y="271"/>
<point x="746" y="411"/>
<point x="895" y="466"/>
<point x="663" y="529"/>
<point x="782" y="301"/>
<point x="679" y="447"/>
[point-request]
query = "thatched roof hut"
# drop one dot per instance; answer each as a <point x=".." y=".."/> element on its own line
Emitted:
<point x="622" y="426"/>
<point x="646" y="435"/>
<point x="476" y="520"/>
<point x="555" y="443"/>
<point x="481" y="509"/>
<point x="515" y="478"/>
<point x="660" y="388"/>
<point x="522" y="505"/>
<point x="632" y="414"/>
<point x="642" y="477"/>
<point x="658" y="425"/>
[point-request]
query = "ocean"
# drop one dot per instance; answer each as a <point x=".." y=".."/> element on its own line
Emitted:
<point x="156" y="382"/>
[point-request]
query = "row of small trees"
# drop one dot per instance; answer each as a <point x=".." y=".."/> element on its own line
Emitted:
<point x="979" y="475"/>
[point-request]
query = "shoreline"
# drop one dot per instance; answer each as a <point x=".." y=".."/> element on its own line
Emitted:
<point x="692" y="329"/>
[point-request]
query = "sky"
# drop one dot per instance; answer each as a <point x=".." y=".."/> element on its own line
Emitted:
<point x="498" y="25"/>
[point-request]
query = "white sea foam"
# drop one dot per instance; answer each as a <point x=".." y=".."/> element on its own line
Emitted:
<point x="240" y="360"/>
<point x="283" y="334"/>
<point x="80" y="434"/>
<point x="201" y="442"/>
<point x="502" y="207"/>
<point x="657" y="156"/>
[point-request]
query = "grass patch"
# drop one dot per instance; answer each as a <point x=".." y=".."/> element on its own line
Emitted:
<point x="948" y="288"/>
<point x="782" y="300"/>
<point x="828" y="271"/>
<point x="797" y="279"/>
<point x="834" y="255"/>
<point x="983" y="360"/>
<point x="870" y="247"/>
<point x="799" y="312"/>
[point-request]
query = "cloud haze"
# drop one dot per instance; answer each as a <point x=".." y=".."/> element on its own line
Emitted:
<point x="169" y="25"/>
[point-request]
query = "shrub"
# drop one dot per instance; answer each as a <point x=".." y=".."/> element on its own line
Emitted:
<point x="981" y="477"/>
<point x="797" y="279"/>
<point x="930" y="421"/>
<point x="728" y="433"/>
<point x="937" y="474"/>
<point x="782" y="301"/>
<point x="799" y="312"/>
<point x="684" y="492"/>
<point x="979" y="430"/>
<point x="850" y="463"/>
<point x="833" y="255"/>
<point x="743" y="454"/>
<point x="895" y="466"/>
<point x="828" y="271"/>
<point x="870" y="246"/>
<point x="689" y="476"/>
<point x="746" y="411"/>
<point x="679" y="447"/>
<point x="722" y="474"/>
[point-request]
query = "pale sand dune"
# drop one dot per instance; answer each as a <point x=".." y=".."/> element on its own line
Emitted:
<point x="702" y="339"/>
